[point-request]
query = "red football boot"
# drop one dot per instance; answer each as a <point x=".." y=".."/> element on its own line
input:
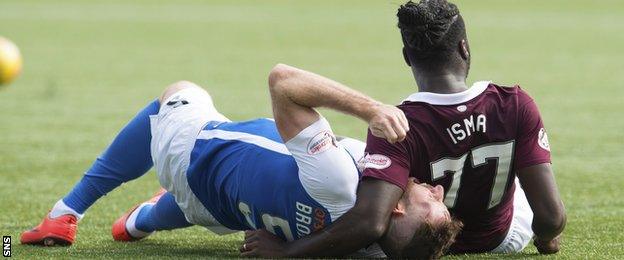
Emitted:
<point x="119" y="231"/>
<point x="52" y="231"/>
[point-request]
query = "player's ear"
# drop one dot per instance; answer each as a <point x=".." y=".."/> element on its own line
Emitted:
<point x="405" y="57"/>
<point x="399" y="209"/>
<point x="463" y="49"/>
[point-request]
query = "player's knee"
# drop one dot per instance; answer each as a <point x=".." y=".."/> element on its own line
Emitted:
<point x="175" y="87"/>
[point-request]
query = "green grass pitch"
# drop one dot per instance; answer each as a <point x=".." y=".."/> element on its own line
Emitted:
<point x="90" y="65"/>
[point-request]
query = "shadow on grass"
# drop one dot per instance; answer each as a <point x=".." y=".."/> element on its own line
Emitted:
<point x="135" y="250"/>
<point x="163" y="249"/>
<point x="522" y="255"/>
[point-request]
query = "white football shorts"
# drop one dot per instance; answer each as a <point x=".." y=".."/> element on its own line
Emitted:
<point x="174" y="131"/>
<point x="520" y="232"/>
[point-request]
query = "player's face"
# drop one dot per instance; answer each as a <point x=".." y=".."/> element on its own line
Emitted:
<point x="426" y="201"/>
<point x="420" y="203"/>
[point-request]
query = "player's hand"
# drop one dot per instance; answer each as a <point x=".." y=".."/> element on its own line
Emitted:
<point x="261" y="243"/>
<point x="547" y="247"/>
<point x="388" y="122"/>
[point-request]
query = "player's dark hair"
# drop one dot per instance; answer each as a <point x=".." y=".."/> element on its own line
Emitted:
<point x="431" y="32"/>
<point x="432" y="241"/>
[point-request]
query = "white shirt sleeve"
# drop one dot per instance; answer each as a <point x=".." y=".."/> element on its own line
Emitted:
<point x="326" y="170"/>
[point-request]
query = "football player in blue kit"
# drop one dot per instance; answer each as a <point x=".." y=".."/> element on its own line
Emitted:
<point x="290" y="175"/>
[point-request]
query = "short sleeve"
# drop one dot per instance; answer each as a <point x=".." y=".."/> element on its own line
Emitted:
<point x="532" y="147"/>
<point x="385" y="161"/>
<point x="326" y="170"/>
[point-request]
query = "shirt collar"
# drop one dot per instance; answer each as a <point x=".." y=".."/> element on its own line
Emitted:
<point x="449" y="99"/>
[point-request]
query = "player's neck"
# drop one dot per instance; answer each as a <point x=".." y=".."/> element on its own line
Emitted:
<point x="445" y="83"/>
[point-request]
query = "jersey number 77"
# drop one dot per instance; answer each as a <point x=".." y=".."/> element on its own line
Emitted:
<point x="500" y="153"/>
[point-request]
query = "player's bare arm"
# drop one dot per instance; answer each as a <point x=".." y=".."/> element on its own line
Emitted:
<point x="362" y="225"/>
<point x="549" y="216"/>
<point x="295" y="92"/>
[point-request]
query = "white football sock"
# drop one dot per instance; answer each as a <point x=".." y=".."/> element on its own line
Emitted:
<point x="130" y="223"/>
<point x="60" y="209"/>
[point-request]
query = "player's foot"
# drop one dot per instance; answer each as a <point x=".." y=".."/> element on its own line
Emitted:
<point x="52" y="231"/>
<point x="120" y="226"/>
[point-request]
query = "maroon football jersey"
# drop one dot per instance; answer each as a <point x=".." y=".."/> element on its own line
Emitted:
<point x="472" y="143"/>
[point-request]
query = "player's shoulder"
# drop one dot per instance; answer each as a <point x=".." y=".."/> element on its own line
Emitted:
<point x="511" y="91"/>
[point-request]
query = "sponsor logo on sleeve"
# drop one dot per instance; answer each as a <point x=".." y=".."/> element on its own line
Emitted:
<point x="376" y="161"/>
<point x="542" y="140"/>
<point x="321" y="142"/>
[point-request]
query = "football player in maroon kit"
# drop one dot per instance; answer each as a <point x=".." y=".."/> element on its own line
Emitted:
<point x="475" y="142"/>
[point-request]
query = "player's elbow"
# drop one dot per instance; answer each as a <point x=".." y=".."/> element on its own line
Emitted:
<point x="377" y="231"/>
<point x="557" y="222"/>
<point x="548" y="228"/>
<point x="368" y="232"/>
<point x="278" y="75"/>
<point x="373" y="228"/>
<point x="369" y="226"/>
<point x="551" y="223"/>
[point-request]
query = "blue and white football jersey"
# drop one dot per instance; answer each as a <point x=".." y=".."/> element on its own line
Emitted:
<point x="247" y="179"/>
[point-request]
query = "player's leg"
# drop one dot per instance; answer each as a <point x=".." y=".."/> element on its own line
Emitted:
<point x="156" y="214"/>
<point x="520" y="232"/>
<point x="164" y="215"/>
<point x="126" y="158"/>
